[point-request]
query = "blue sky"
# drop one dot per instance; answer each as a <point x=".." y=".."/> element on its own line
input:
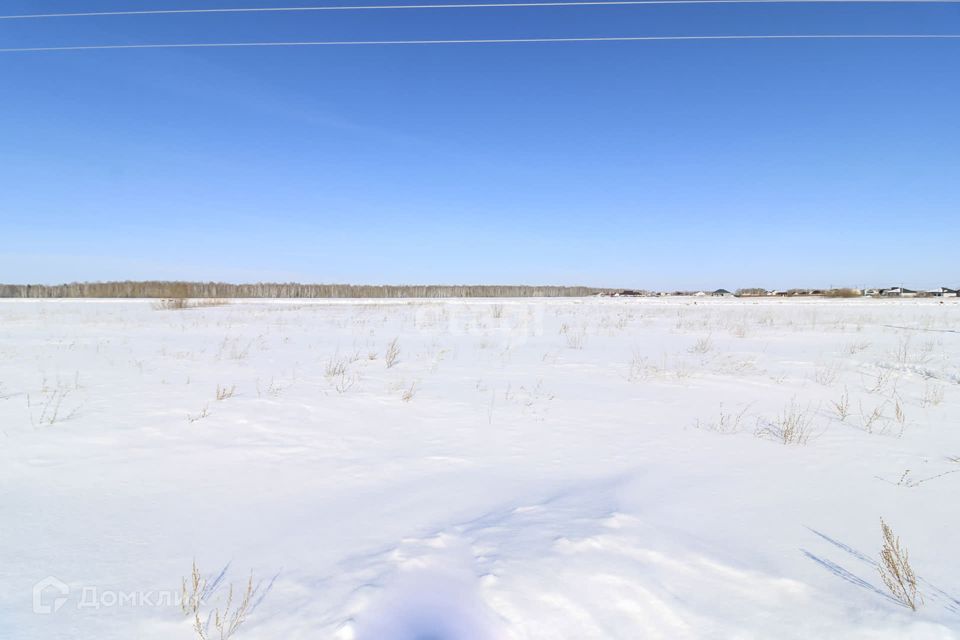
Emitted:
<point x="659" y="165"/>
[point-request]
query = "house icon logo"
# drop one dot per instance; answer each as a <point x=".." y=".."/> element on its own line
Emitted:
<point x="49" y="595"/>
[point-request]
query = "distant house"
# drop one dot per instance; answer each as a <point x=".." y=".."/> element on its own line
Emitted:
<point x="871" y="292"/>
<point x="898" y="292"/>
<point x="629" y="293"/>
<point x="942" y="292"/>
<point x="721" y="293"/>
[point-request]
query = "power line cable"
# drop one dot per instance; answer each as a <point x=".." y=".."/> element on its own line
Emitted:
<point x="463" y="5"/>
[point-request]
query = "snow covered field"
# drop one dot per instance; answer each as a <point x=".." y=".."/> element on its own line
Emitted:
<point x="535" y="469"/>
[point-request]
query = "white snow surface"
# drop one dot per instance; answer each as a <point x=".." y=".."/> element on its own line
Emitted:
<point x="527" y="469"/>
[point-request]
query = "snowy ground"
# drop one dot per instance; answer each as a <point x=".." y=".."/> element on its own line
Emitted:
<point x="552" y="469"/>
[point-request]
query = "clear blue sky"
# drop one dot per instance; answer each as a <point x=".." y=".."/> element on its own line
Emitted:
<point x="660" y="165"/>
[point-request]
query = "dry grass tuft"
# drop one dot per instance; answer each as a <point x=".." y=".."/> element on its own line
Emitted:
<point x="874" y="417"/>
<point x="856" y="347"/>
<point x="842" y="406"/>
<point x="895" y="570"/>
<point x="728" y="423"/>
<point x="900" y="415"/>
<point x="193" y="590"/>
<point x="205" y="412"/>
<point x="932" y="395"/>
<point x="51" y="406"/>
<point x="343" y="382"/>
<point x="273" y="389"/>
<point x="392" y="355"/>
<point x="336" y="367"/>
<point x="882" y="380"/>
<point x="227" y="619"/>
<point x="576" y="340"/>
<point x="826" y="374"/>
<point x="794" y="425"/>
<point x="225" y="392"/>
<point x="703" y="345"/>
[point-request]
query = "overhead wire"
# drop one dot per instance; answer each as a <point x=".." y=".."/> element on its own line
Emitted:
<point x="458" y="5"/>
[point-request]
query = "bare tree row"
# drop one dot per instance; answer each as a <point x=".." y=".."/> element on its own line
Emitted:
<point x="160" y="289"/>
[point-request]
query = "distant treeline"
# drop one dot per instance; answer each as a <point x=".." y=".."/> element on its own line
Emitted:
<point x="158" y="289"/>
